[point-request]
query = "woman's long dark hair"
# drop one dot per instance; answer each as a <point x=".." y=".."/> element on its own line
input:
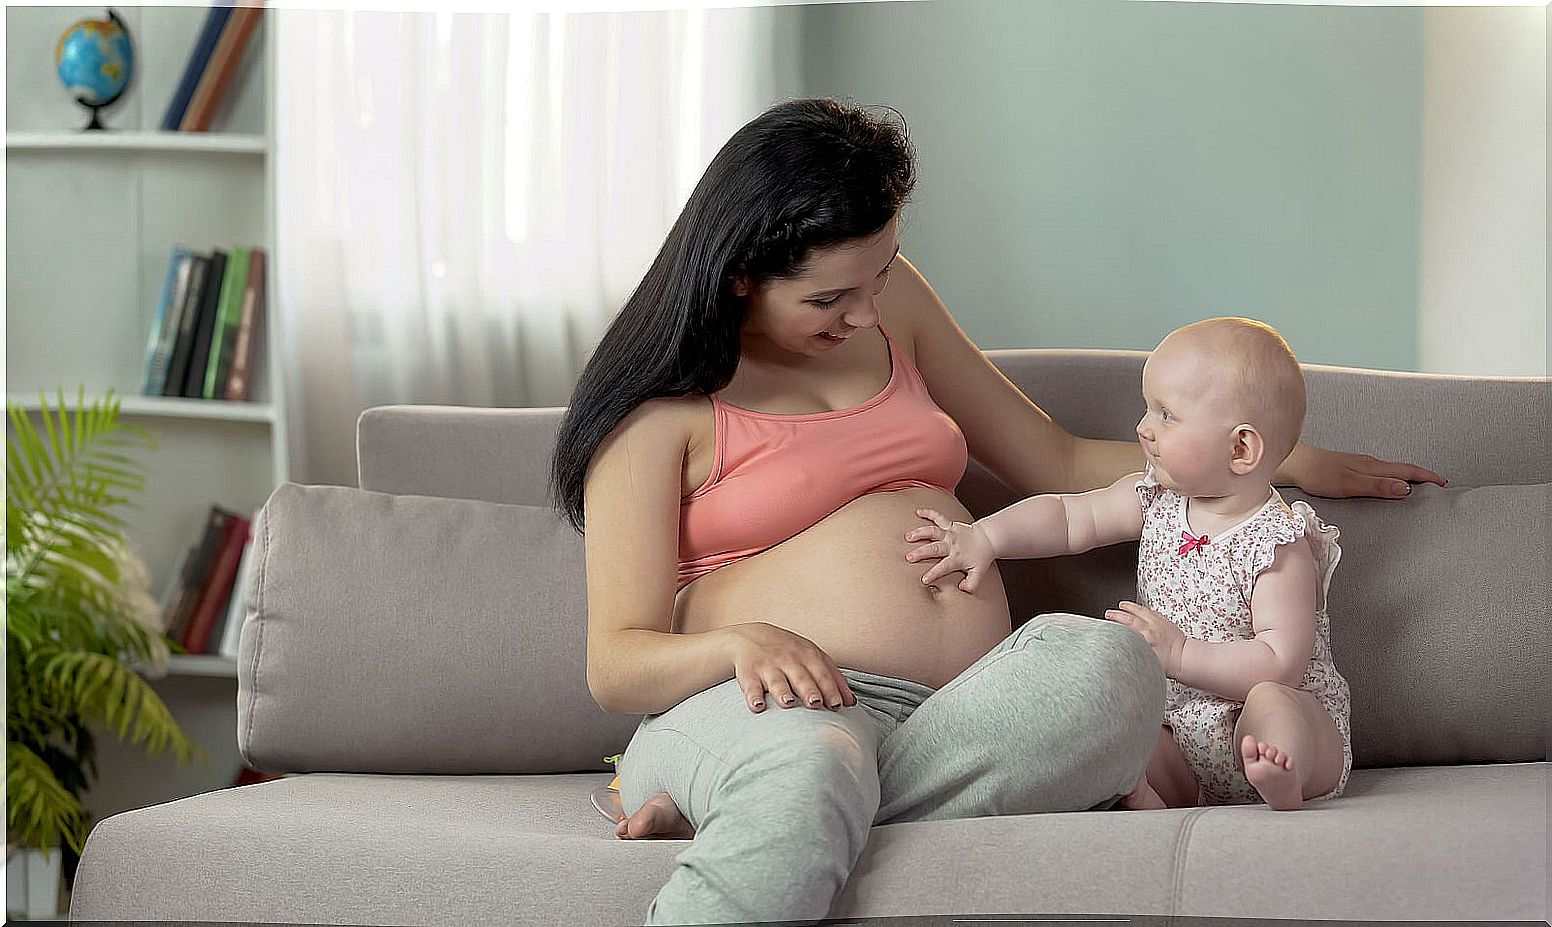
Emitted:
<point x="804" y="174"/>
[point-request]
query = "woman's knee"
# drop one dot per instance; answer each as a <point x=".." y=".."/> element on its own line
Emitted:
<point x="1119" y="668"/>
<point x="1110" y="651"/>
<point x="819" y="758"/>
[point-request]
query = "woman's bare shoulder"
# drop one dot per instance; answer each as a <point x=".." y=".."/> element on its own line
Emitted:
<point x="665" y="412"/>
<point x="913" y="310"/>
<point x="663" y="428"/>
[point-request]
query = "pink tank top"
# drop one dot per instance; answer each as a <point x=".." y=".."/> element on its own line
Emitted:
<point x="775" y="475"/>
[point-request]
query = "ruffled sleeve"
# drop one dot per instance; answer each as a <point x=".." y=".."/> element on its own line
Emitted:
<point x="1323" y="543"/>
<point x="1147" y="489"/>
<point x="1288" y="525"/>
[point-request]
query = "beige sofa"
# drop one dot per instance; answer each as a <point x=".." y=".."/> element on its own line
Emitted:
<point x="414" y="654"/>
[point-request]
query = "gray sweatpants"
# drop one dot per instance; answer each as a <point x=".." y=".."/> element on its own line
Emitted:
<point x="1060" y="716"/>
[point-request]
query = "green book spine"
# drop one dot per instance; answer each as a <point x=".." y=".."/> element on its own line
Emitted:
<point x="228" y="313"/>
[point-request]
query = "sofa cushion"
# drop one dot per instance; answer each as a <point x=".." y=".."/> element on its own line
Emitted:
<point x="1461" y="843"/>
<point x="1439" y="622"/>
<point x="1438" y="615"/>
<point x="417" y="634"/>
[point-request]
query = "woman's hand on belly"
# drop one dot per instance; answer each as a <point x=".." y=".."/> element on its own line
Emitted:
<point x="844" y="583"/>
<point x="790" y="667"/>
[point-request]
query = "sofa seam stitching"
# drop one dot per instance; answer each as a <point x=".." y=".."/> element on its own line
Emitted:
<point x="1182" y="846"/>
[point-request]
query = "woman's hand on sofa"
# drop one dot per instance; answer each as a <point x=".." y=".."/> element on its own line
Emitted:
<point x="1341" y="475"/>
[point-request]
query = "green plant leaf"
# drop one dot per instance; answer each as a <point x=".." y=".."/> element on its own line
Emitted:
<point x="71" y="631"/>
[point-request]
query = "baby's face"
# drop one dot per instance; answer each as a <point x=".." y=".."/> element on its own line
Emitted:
<point x="1187" y="428"/>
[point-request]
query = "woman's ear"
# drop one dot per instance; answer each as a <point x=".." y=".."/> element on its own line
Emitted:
<point x="1249" y="449"/>
<point x="739" y="283"/>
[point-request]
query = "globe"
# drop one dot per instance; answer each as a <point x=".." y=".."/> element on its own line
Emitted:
<point x="95" y="59"/>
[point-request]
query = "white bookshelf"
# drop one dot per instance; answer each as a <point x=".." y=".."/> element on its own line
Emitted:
<point x="91" y="221"/>
<point x="147" y="140"/>
<point x="166" y="406"/>
<point x="201" y="665"/>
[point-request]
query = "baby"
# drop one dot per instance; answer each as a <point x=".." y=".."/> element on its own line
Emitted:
<point x="1231" y="580"/>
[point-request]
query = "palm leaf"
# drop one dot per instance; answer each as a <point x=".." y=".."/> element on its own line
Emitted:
<point x="69" y="634"/>
<point x="39" y="810"/>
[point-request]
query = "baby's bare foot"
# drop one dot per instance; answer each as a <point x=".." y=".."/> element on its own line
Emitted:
<point x="657" y="818"/>
<point x="1143" y="798"/>
<point x="1270" y="770"/>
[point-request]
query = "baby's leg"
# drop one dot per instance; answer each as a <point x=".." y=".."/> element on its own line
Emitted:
<point x="1289" y="746"/>
<point x="1142" y="797"/>
<point x="1168" y="782"/>
<point x="1170" y="774"/>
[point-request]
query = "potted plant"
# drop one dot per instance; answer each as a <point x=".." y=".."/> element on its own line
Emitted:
<point x="78" y="626"/>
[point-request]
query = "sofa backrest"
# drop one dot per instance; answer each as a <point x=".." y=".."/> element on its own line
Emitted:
<point x="1438" y="607"/>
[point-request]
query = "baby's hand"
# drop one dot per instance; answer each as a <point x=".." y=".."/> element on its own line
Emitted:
<point x="1167" y="640"/>
<point x="962" y="547"/>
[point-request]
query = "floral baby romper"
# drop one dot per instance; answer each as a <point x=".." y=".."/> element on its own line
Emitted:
<point x="1203" y="585"/>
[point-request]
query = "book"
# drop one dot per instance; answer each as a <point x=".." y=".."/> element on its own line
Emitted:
<point x="229" y="597"/>
<point x="237" y="610"/>
<point x="188" y="317"/>
<point x="178" y="585"/>
<point x="212" y="601"/>
<point x="170" y="589"/>
<point x="228" y="312"/>
<point x="218" y="71"/>
<point x="164" y="331"/>
<point x="195" y="570"/>
<point x="249" y="325"/>
<point x="194" y="383"/>
<point x="204" y="45"/>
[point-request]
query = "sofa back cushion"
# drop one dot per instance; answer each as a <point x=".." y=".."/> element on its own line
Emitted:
<point x="412" y="634"/>
<point x="1438" y="606"/>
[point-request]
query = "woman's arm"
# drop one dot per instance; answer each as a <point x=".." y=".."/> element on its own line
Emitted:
<point x="1011" y="436"/>
<point x="1019" y="443"/>
<point x="1339" y="475"/>
<point x="635" y="664"/>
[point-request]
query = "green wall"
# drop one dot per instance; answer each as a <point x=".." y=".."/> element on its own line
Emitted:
<point x="1096" y="173"/>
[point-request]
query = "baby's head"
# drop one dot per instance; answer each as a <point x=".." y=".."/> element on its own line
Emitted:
<point x="1225" y="405"/>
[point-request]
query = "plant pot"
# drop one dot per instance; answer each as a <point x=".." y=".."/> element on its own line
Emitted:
<point x="33" y="880"/>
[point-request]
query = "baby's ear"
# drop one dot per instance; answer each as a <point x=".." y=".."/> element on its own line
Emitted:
<point x="1249" y="449"/>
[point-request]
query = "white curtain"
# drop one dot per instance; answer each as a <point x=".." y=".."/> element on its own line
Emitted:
<point x="464" y="200"/>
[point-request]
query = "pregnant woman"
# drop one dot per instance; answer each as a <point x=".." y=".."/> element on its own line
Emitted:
<point x="746" y="450"/>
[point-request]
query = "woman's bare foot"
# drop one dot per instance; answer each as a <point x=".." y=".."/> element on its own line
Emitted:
<point x="1271" y="771"/>
<point x="657" y="818"/>
<point x="1143" y="797"/>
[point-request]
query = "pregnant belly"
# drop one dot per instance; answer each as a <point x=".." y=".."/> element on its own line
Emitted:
<point x="844" y="584"/>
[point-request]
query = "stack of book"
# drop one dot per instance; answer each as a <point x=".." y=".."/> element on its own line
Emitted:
<point x="203" y="604"/>
<point x="201" y="345"/>
<point x="210" y="67"/>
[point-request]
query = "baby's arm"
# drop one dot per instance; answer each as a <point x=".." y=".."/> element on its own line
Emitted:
<point x="1053" y="524"/>
<point x="1046" y="525"/>
<point x="1282" y="613"/>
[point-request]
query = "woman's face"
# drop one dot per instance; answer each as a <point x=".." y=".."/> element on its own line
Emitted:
<point x="811" y="314"/>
